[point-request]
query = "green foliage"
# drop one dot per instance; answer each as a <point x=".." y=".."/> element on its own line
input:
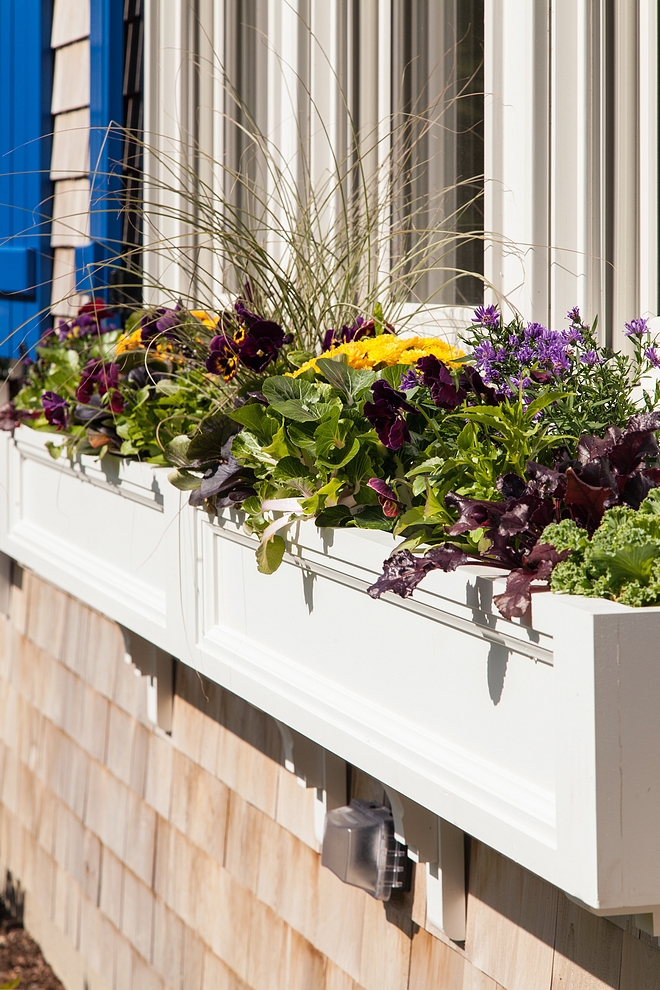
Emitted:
<point x="620" y="562"/>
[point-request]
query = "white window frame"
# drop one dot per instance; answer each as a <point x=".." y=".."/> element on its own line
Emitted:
<point x="546" y="153"/>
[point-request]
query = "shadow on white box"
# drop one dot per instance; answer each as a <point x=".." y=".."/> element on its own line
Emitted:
<point x="539" y="738"/>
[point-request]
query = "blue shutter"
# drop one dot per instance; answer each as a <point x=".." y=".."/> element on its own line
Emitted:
<point x="105" y="146"/>
<point x="25" y="189"/>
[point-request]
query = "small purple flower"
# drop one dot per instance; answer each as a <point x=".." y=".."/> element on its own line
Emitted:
<point x="485" y="352"/>
<point x="590" y="358"/>
<point x="636" y="328"/>
<point x="573" y="335"/>
<point x="410" y="379"/>
<point x="56" y="409"/>
<point x="525" y="354"/>
<point x="652" y="356"/>
<point x="487" y="316"/>
<point x="573" y="316"/>
<point x="535" y="330"/>
<point x="385" y="414"/>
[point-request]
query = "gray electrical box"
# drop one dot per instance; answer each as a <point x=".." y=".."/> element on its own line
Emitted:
<point x="360" y="848"/>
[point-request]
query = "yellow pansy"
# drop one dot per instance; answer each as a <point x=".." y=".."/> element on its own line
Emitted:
<point x="387" y="350"/>
<point x="129" y="342"/>
<point x="204" y="317"/>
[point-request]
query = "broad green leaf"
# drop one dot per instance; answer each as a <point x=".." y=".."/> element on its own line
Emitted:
<point x="176" y="450"/>
<point x="326" y="496"/>
<point x="247" y="448"/>
<point x="393" y="374"/>
<point x="279" y="447"/>
<point x="330" y="435"/>
<point x="256" y="419"/>
<point x="336" y="515"/>
<point x="413" y="517"/>
<point x="348" y="456"/>
<point x="351" y="382"/>
<point x="166" y="387"/>
<point x="371" y="517"/>
<point x="302" y="435"/>
<point x="290" y="467"/>
<point x="296" y="399"/>
<point x="269" y="554"/>
<point x="183" y="480"/>
<point x="210" y="438"/>
<point x="54" y="449"/>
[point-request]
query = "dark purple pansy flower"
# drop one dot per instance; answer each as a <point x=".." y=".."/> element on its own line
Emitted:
<point x="360" y="328"/>
<point x="116" y="402"/>
<point x="636" y="328"/>
<point x="223" y="357"/>
<point x="11" y="417"/>
<point x="56" y="409"/>
<point x="244" y="314"/>
<point x="437" y="377"/>
<point x="652" y="356"/>
<point x="101" y="375"/>
<point x="385" y="414"/>
<point x="260" y="344"/>
<point x="487" y="316"/>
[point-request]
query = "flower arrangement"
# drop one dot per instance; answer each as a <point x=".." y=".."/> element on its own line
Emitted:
<point x="497" y="453"/>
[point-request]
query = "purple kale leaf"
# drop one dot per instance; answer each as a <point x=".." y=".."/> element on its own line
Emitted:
<point x="402" y="571"/>
<point x="538" y="565"/>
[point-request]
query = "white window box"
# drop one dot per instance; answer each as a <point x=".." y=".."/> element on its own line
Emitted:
<point x="542" y="740"/>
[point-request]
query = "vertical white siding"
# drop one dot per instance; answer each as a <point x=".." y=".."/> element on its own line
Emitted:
<point x="70" y="154"/>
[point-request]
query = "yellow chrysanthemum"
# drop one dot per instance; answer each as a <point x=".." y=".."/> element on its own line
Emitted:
<point x="129" y="342"/>
<point x="388" y="350"/>
<point x="204" y="317"/>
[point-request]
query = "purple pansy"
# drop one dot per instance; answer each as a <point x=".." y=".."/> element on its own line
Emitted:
<point x="437" y="377"/>
<point x="97" y="375"/>
<point x="385" y="414"/>
<point x="223" y="357"/>
<point x="360" y="328"/>
<point x="56" y="409"/>
<point x="261" y="344"/>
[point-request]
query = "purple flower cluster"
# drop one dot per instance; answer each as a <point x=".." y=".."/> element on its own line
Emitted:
<point x="530" y="355"/>
<point x="92" y="318"/>
<point x="255" y="343"/>
<point x="104" y="377"/>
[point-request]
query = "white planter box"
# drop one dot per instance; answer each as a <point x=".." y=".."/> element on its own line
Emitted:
<point x="542" y="740"/>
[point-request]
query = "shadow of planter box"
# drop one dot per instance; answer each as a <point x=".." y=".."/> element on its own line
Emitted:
<point x="540" y="739"/>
